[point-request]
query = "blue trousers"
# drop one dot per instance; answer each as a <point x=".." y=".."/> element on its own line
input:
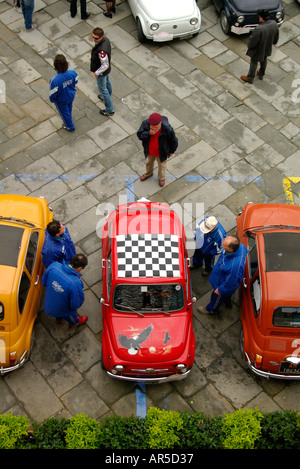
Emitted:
<point x="65" y="111"/>
<point x="27" y="10"/>
<point x="105" y="89"/>
<point x="72" y="319"/>
<point x="199" y="257"/>
<point x="216" y="301"/>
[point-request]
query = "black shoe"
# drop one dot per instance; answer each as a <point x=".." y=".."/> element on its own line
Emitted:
<point x="109" y="15"/>
<point x="113" y="9"/>
<point x="105" y="113"/>
<point x="86" y="16"/>
<point x="100" y="97"/>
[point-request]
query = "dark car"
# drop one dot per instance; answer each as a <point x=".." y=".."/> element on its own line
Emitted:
<point x="240" y="16"/>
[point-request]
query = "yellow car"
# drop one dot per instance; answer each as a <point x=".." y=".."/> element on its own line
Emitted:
<point x="23" y="221"/>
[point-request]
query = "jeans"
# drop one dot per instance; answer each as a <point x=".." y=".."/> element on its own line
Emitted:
<point x="27" y="10"/>
<point x="253" y="68"/>
<point x="73" y="8"/>
<point x="105" y="89"/>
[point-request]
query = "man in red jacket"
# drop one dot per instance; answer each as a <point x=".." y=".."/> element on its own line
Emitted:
<point x="260" y="45"/>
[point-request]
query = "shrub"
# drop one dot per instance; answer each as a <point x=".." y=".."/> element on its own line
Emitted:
<point x="49" y="434"/>
<point x="124" y="433"/>
<point x="280" y="430"/>
<point x="13" y="431"/>
<point x="83" y="433"/>
<point x="201" y="431"/>
<point x="163" y="427"/>
<point x="241" y="429"/>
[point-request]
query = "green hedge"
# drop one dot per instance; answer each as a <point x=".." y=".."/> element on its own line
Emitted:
<point x="160" y="429"/>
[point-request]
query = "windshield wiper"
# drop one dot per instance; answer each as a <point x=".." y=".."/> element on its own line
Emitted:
<point x="130" y="309"/>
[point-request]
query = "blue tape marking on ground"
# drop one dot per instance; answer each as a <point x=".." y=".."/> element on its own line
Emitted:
<point x="140" y="393"/>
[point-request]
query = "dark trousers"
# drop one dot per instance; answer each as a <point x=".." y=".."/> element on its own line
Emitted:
<point x="253" y="68"/>
<point x="73" y="8"/>
<point x="199" y="257"/>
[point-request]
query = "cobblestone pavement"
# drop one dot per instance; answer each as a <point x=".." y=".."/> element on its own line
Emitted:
<point x="237" y="143"/>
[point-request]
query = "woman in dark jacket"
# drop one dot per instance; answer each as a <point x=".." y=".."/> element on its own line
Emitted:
<point x="159" y="142"/>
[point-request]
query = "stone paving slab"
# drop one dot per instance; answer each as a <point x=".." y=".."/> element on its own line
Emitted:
<point x="237" y="144"/>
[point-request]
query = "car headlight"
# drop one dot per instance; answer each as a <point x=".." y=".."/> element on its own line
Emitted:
<point x="1" y="311"/>
<point x="278" y="15"/>
<point x="241" y="19"/>
<point x="194" y="21"/>
<point x="118" y="368"/>
<point x="180" y="367"/>
<point x="154" y="26"/>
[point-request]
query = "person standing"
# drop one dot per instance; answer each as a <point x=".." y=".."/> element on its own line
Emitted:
<point x="101" y="67"/>
<point x="159" y="143"/>
<point x="27" y="10"/>
<point x="58" y="245"/>
<point x="73" y="9"/>
<point x="260" y="45"/>
<point x="226" y="275"/>
<point x="209" y="236"/>
<point x="64" y="290"/>
<point x="63" y="90"/>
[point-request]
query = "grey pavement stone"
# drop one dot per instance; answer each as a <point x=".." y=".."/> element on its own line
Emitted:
<point x="237" y="144"/>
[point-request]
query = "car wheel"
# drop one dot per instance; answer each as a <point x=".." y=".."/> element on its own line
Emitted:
<point x="224" y="22"/>
<point x="141" y="35"/>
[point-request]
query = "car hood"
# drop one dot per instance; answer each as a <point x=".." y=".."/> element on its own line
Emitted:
<point x="166" y="10"/>
<point x="149" y="339"/>
<point x="251" y="6"/>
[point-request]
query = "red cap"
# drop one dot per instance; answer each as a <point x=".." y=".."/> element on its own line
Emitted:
<point x="155" y="119"/>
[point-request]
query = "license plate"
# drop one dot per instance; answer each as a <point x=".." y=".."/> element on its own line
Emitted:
<point x="291" y="368"/>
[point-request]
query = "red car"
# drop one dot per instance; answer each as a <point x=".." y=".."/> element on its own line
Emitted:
<point x="147" y="309"/>
<point x="270" y="294"/>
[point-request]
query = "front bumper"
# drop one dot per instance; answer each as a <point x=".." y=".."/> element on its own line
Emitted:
<point x="23" y="359"/>
<point x="268" y="374"/>
<point x="157" y="379"/>
<point x="163" y="36"/>
<point x="247" y="28"/>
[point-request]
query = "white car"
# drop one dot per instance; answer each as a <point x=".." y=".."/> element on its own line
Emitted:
<point x="164" y="20"/>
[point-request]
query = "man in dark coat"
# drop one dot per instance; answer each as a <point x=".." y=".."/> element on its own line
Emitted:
<point x="260" y="45"/>
<point x="159" y="142"/>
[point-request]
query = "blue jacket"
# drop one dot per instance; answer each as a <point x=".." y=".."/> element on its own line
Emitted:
<point x="64" y="290"/>
<point x="62" y="87"/>
<point x="210" y="243"/>
<point x="57" y="249"/>
<point x="228" y="271"/>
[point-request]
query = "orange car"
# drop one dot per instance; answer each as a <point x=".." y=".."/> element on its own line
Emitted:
<point x="270" y="293"/>
<point x="22" y="229"/>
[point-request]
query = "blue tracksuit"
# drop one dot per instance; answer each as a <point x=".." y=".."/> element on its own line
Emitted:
<point x="62" y="94"/>
<point x="64" y="291"/>
<point x="57" y="249"/>
<point x="208" y="245"/>
<point x="226" y="276"/>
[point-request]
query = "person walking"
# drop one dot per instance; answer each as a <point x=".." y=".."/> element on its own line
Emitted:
<point x="63" y="90"/>
<point x="159" y="143"/>
<point x="111" y="7"/>
<point x="58" y="245"/>
<point x="260" y="45"/>
<point x="101" y="67"/>
<point x="64" y="290"/>
<point x="27" y="10"/>
<point x="226" y="275"/>
<point x="209" y="236"/>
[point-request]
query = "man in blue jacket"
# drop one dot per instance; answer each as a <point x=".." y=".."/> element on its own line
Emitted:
<point x="58" y="245"/>
<point x="62" y="90"/>
<point x="64" y="290"/>
<point x="209" y="236"/>
<point x="226" y="275"/>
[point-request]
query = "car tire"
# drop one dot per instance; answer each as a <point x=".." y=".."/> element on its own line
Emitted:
<point x="141" y="35"/>
<point x="224" y="22"/>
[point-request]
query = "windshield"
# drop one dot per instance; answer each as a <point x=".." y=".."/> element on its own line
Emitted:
<point x="147" y="298"/>
<point x="287" y="316"/>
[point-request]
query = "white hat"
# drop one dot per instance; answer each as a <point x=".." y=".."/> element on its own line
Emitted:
<point x="208" y="224"/>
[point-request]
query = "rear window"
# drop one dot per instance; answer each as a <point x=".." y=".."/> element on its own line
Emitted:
<point x="11" y="237"/>
<point x="148" y="298"/>
<point x="282" y="250"/>
<point x="286" y="316"/>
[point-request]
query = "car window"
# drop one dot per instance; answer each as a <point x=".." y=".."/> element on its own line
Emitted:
<point x="23" y="291"/>
<point x="151" y="297"/>
<point x="32" y="251"/>
<point x="108" y="275"/>
<point x="252" y="257"/>
<point x="286" y="316"/>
